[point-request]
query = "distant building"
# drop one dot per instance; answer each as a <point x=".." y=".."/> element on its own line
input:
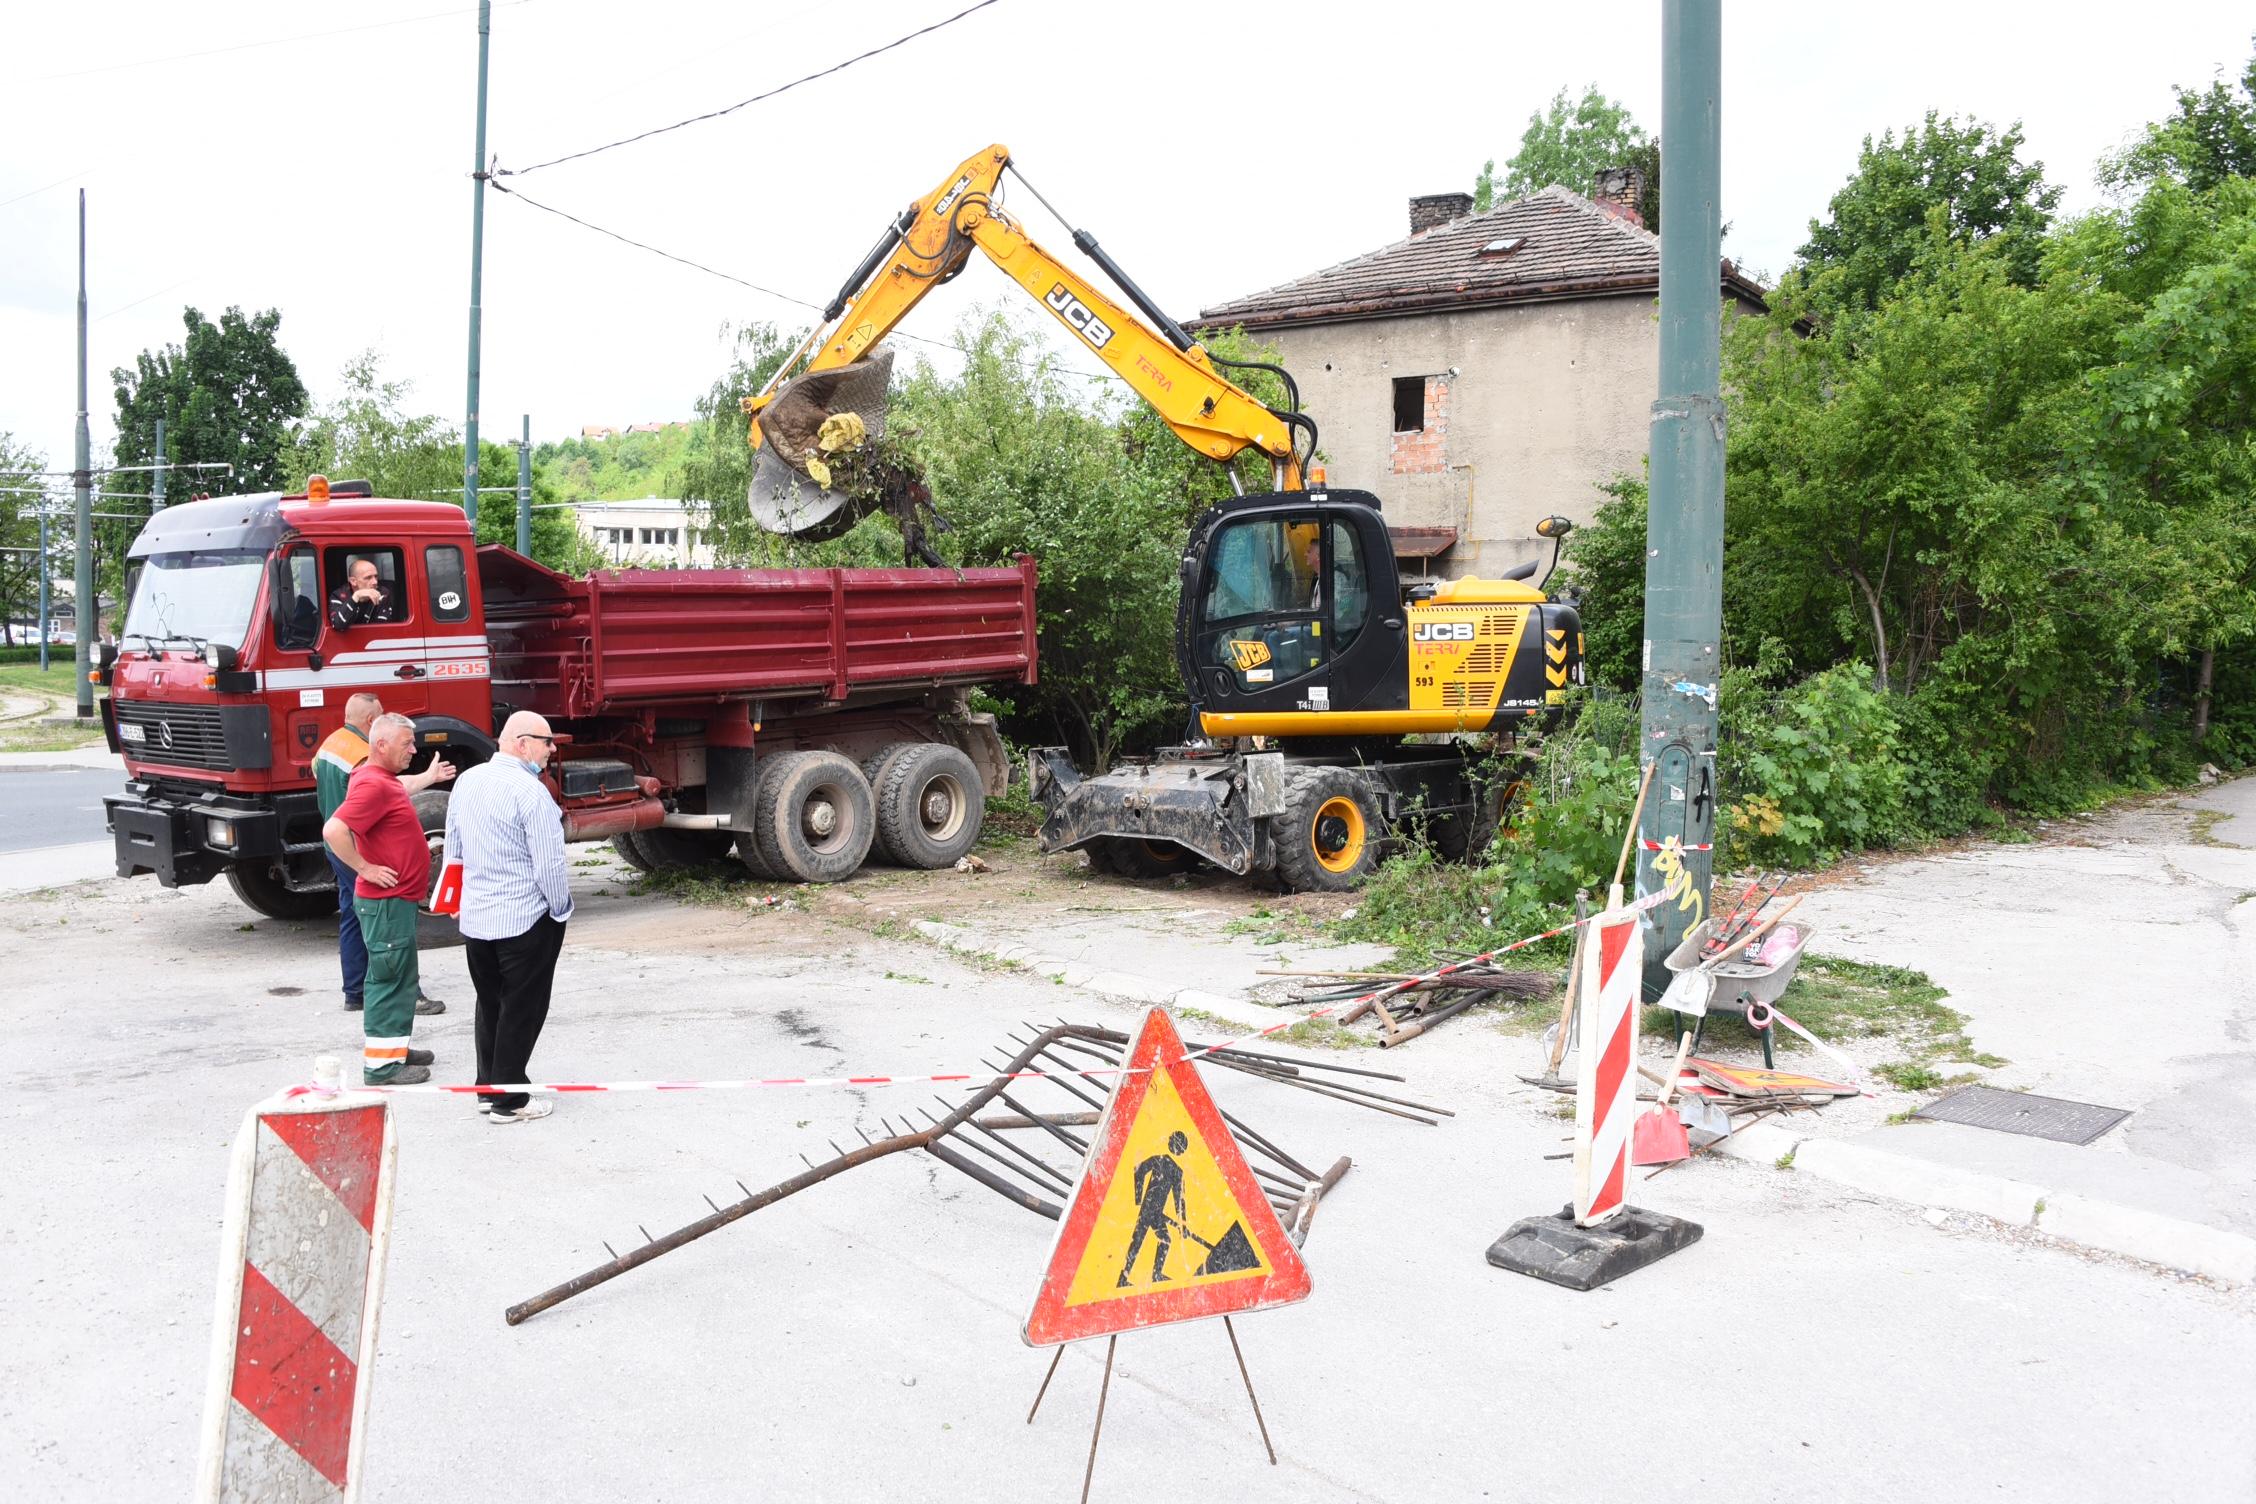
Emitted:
<point x="652" y="532"/>
<point x="1487" y="371"/>
<point x="597" y="431"/>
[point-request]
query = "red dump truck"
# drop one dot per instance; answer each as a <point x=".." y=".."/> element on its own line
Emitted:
<point x="802" y="719"/>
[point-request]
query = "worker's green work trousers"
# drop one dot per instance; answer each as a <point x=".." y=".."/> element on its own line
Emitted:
<point x="388" y="994"/>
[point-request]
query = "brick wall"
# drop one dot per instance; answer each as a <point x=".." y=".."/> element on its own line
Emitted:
<point x="1427" y="452"/>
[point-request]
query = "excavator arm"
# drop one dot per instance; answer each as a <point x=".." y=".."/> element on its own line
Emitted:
<point x="930" y="242"/>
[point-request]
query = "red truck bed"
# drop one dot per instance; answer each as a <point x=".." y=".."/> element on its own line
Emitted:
<point x="633" y="639"/>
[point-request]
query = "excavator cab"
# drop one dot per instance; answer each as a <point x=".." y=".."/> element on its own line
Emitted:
<point x="1293" y="623"/>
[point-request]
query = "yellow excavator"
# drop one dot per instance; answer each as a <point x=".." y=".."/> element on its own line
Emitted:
<point x="1310" y="664"/>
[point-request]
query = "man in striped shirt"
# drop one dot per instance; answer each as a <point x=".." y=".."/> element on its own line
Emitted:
<point x="333" y="766"/>
<point x="508" y="834"/>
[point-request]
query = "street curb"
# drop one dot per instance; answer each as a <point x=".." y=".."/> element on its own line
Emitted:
<point x="2112" y="1228"/>
<point x="1120" y="986"/>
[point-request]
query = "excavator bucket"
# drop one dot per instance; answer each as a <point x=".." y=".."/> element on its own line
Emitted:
<point x="785" y="497"/>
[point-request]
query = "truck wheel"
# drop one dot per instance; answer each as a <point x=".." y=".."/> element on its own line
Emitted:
<point x="817" y="818"/>
<point x="631" y="852"/>
<point x="754" y="815"/>
<point x="261" y="888"/>
<point x="930" y="802"/>
<point x="1132" y="856"/>
<point x="874" y="768"/>
<point x="1328" y="837"/>
<point x="683" y="848"/>
<point x="430" y="813"/>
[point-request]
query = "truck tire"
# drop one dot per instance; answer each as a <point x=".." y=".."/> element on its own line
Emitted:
<point x="683" y="848"/>
<point x="261" y="888"/>
<point x="874" y="768"/>
<point x="632" y="853"/>
<point x="430" y="813"/>
<point x="1328" y="838"/>
<point x="930" y="802"/>
<point x="753" y="816"/>
<point x="816" y="819"/>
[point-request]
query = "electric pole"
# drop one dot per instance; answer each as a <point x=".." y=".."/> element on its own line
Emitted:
<point x="83" y="480"/>
<point x="1684" y="522"/>
<point x="157" y="494"/>
<point x="525" y="490"/>
<point x="477" y="268"/>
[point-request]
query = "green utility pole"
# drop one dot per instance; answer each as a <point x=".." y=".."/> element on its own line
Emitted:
<point x="85" y="609"/>
<point x="477" y="270"/>
<point x="156" y="496"/>
<point x="43" y="567"/>
<point x="525" y="490"/>
<point x="1684" y="525"/>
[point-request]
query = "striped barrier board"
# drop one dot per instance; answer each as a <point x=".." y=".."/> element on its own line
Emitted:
<point x="1606" y="1081"/>
<point x="309" y="1205"/>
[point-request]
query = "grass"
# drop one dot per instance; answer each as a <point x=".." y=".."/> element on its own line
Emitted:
<point x="2205" y="823"/>
<point x="1268" y="927"/>
<point x="1843" y="1002"/>
<point x="59" y="682"/>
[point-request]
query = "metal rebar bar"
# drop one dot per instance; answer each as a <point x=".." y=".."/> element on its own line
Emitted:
<point x="992" y="1181"/>
<point x="1103" y="1390"/>
<point x="1267" y="1445"/>
<point x="1056" y="1357"/>
<point x="1304" y="1215"/>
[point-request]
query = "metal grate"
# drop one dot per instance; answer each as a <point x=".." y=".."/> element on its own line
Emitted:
<point x="187" y="736"/>
<point x="2024" y="1113"/>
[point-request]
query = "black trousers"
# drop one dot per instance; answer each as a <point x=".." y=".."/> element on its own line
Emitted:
<point x="513" y="978"/>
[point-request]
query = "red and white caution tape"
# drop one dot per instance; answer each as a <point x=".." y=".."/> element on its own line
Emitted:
<point x="751" y="1083"/>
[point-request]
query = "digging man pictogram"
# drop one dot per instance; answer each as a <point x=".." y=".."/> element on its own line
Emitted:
<point x="1159" y="1181"/>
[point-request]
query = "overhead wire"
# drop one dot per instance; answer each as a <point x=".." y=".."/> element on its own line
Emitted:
<point x="303" y="36"/>
<point x="711" y="271"/>
<point x="860" y="57"/>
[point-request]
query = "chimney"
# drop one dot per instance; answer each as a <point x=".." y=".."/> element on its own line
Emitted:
<point x="1618" y="191"/>
<point x="1431" y="209"/>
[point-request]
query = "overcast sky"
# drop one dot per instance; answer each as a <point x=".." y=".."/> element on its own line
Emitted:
<point x="1213" y="147"/>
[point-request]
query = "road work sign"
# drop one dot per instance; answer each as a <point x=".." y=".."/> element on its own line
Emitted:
<point x="1168" y="1223"/>
<point x="309" y="1207"/>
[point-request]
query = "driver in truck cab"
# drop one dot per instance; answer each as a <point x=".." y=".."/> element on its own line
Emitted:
<point x="363" y="599"/>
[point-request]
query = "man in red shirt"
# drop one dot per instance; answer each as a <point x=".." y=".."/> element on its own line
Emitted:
<point x="376" y="834"/>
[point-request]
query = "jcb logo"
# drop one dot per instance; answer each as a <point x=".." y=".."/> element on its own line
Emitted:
<point x="1442" y="631"/>
<point x="1249" y="652"/>
<point x="1077" y="313"/>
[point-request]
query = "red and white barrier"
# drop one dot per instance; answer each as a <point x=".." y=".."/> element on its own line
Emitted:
<point x="309" y="1209"/>
<point x="1606" y="1080"/>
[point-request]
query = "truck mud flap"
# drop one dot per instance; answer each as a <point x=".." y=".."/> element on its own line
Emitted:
<point x="1200" y="806"/>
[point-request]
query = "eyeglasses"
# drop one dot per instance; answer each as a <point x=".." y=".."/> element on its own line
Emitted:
<point x="535" y="736"/>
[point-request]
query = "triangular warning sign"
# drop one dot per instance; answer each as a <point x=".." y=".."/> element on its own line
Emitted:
<point x="1168" y="1223"/>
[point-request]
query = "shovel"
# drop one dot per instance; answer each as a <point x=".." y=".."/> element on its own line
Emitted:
<point x="1658" y="1137"/>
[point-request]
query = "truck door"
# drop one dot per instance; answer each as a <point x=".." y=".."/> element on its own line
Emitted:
<point x="307" y="710"/>
<point x="373" y="628"/>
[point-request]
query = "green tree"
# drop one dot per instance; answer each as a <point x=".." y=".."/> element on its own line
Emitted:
<point x="1878" y="222"/>
<point x="20" y="500"/>
<point x="2212" y="137"/>
<point x="229" y="393"/>
<point x="1566" y="145"/>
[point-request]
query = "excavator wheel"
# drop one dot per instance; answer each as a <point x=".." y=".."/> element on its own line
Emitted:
<point x="1331" y="832"/>
<point x="1132" y="857"/>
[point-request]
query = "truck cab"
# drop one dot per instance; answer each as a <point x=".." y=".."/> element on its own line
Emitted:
<point x="243" y="639"/>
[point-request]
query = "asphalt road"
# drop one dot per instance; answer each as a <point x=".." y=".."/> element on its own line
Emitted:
<point x="53" y="806"/>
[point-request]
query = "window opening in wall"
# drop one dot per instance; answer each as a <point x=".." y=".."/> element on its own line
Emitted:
<point x="1409" y="404"/>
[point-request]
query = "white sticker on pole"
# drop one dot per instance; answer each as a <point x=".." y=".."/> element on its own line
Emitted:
<point x="309" y="1209"/>
<point x="1606" y="1081"/>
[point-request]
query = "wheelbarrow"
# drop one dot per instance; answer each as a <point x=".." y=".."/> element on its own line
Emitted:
<point x="1747" y="983"/>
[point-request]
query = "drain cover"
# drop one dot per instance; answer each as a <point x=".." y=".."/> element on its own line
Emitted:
<point x="2024" y="1113"/>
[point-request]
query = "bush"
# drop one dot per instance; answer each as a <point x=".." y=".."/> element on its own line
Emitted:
<point x="1812" y="772"/>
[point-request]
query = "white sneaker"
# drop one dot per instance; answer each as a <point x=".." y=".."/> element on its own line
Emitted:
<point x="538" y="1107"/>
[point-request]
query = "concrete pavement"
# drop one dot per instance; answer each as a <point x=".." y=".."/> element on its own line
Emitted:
<point x="860" y="1342"/>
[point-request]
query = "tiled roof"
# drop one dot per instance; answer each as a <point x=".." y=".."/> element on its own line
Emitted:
<point x="1568" y="247"/>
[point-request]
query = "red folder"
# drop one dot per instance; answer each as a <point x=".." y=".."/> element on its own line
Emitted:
<point x="448" y="900"/>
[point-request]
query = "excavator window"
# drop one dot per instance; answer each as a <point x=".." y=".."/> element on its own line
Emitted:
<point x="1275" y="607"/>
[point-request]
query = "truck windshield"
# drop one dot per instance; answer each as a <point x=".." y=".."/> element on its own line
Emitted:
<point x="190" y="599"/>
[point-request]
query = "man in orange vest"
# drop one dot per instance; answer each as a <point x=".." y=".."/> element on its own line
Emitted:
<point x="333" y="766"/>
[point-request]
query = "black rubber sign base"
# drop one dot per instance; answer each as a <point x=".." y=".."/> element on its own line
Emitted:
<point x="1583" y="1258"/>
